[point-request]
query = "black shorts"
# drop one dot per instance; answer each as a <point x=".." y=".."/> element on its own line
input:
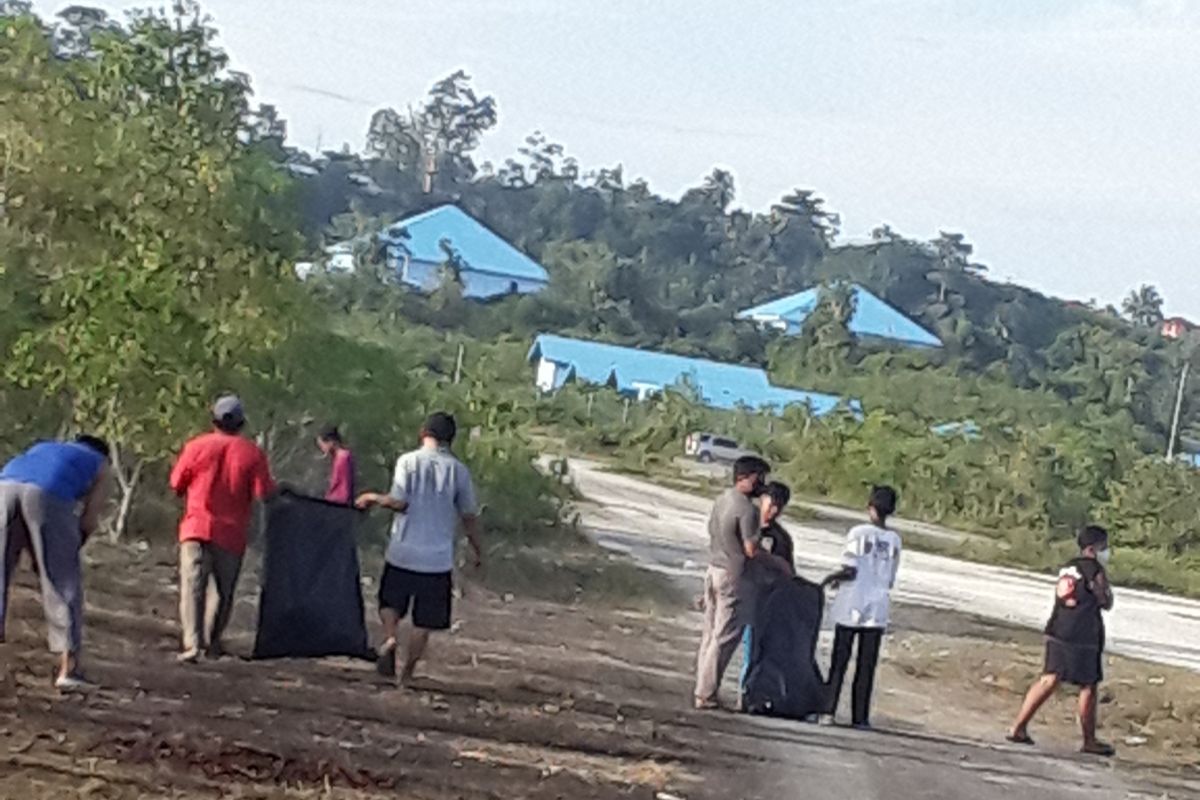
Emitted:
<point x="429" y="593"/>
<point x="1081" y="665"/>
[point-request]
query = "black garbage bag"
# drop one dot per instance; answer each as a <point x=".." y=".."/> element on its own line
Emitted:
<point x="311" y="601"/>
<point x="782" y="676"/>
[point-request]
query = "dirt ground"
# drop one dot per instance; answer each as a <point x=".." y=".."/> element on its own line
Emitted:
<point x="528" y="699"/>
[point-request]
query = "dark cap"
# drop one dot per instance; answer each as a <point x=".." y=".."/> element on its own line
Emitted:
<point x="1091" y="536"/>
<point x="330" y="433"/>
<point x="228" y="408"/>
<point x="440" y="426"/>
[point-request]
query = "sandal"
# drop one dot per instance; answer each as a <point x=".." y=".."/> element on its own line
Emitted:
<point x="1020" y="738"/>
<point x="1099" y="748"/>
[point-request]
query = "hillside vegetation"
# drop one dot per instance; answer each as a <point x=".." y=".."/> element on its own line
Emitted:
<point x="150" y="216"/>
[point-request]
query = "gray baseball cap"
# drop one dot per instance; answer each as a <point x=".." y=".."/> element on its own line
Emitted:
<point x="228" y="408"/>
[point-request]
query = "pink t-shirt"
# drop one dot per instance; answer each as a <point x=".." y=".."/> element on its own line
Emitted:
<point x="341" y="478"/>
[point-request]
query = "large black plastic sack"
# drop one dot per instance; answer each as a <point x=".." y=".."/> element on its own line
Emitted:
<point x="783" y="679"/>
<point x="311" y="602"/>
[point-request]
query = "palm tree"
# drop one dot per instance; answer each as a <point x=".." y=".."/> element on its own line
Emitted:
<point x="1143" y="306"/>
<point x="719" y="187"/>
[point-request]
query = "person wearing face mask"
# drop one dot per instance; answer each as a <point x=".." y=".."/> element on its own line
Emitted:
<point x="1075" y="639"/>
<point x="734" y="534"/>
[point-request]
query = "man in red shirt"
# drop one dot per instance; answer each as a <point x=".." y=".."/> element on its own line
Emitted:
<point x="219" y="474"/>
<point x="341" y="470"/>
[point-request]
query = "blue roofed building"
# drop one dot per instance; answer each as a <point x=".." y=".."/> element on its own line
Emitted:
<point x="490" y="266"/>
<point x="641" y="373"/>
<point x="873" y="318"/>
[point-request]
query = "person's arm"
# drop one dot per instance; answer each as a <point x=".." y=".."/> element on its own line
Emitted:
<point x="396" y="500"/>
<point x="181" y="473"/>
<point x="372" y="499"/>
<point x="895" y="567"/>
<point x="265" y="487"/>
<point x="467" y="505"/>
<point x="849" y="570"/>
<point x="748" y="529"/>
<point x="93" y="502"/>
<point x="471" y="529"/>
<point x="1102" y="589"/>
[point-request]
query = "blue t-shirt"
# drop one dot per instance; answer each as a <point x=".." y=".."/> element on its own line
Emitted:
<point x="63" y="469"/>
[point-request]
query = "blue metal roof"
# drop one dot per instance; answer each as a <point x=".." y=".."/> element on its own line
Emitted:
<point x="727" y="386"/>
<point x="967" y="428"/>
<point x="872" y="317"/>
<point x="479" y="247"/>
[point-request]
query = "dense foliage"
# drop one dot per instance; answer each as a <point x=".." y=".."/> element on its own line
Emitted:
<point x="150" y="215"/>
<point x="147" y="235"/>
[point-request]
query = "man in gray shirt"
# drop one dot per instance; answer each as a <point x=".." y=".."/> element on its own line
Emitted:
<point x="733" y="535"/>
<point x="431" y="492"/>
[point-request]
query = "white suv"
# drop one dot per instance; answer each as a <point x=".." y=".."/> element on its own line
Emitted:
<point x="708" y="447"/>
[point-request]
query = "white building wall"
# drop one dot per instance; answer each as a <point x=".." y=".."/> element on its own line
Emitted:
<point x="547" y="371"/>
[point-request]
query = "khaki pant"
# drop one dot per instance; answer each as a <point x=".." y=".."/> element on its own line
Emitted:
<point x="207" y="579"/>
<point x="727" y="609"/>
<point x="49" y="527"/>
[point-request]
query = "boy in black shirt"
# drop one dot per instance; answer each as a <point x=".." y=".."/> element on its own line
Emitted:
<point x="775" y="540"/>
<point x="1075" y="639"/>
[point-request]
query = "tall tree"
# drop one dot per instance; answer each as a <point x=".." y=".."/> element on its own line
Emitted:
<point x="155" y="237"/>
<point x="442" y="133"/>
<point x="1143" y="306"/>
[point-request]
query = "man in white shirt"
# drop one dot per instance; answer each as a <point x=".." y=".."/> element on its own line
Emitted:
<point x="431" y="492"/>
<point x="860" y="609"/>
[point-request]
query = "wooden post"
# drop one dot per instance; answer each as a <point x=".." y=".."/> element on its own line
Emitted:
<point x="458" y="364"/>
<point x="625" y="412"/>
<point x="590" y="402"/>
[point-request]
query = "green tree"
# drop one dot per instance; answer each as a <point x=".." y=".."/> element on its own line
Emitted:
<point x="443" y="132"/>
<point x="154" y="238"/>
<point x="1143" y="306"/>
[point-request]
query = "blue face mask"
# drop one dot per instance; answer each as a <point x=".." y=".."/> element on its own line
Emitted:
<point x="1103" y="557"/>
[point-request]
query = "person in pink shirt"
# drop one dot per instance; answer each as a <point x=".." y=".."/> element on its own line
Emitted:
<point x="341" y="472"/>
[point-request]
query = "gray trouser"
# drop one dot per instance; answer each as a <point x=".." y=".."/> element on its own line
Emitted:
<point x="727" y="607"/>
<point x="207" y="579"/>
<point x="50" y="527"/>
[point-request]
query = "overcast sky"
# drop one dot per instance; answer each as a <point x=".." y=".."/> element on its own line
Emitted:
<point x="1061" y="136"/>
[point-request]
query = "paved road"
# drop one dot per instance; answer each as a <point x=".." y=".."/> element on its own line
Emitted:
<point x="832" y="512"/>
<point x="665" y="529"/>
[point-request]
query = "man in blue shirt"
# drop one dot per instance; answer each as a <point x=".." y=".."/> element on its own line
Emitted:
<point x="51" y="496"/>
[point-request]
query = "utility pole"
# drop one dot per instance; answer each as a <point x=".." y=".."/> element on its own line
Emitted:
<point x="458" y="365"/>
<point x="1178" y="407"/>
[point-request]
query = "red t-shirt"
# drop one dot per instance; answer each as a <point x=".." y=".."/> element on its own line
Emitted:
<point x="341" y="478"/>
<point x="220" y="475"/>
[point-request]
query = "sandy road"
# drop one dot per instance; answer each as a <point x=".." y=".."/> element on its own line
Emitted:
<point x="665" y="529"/>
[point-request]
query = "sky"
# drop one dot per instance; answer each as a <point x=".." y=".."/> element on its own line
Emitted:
<point x="1061" y="136"/>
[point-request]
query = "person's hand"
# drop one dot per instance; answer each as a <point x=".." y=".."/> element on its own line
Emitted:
<point x="366" y="500"/>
